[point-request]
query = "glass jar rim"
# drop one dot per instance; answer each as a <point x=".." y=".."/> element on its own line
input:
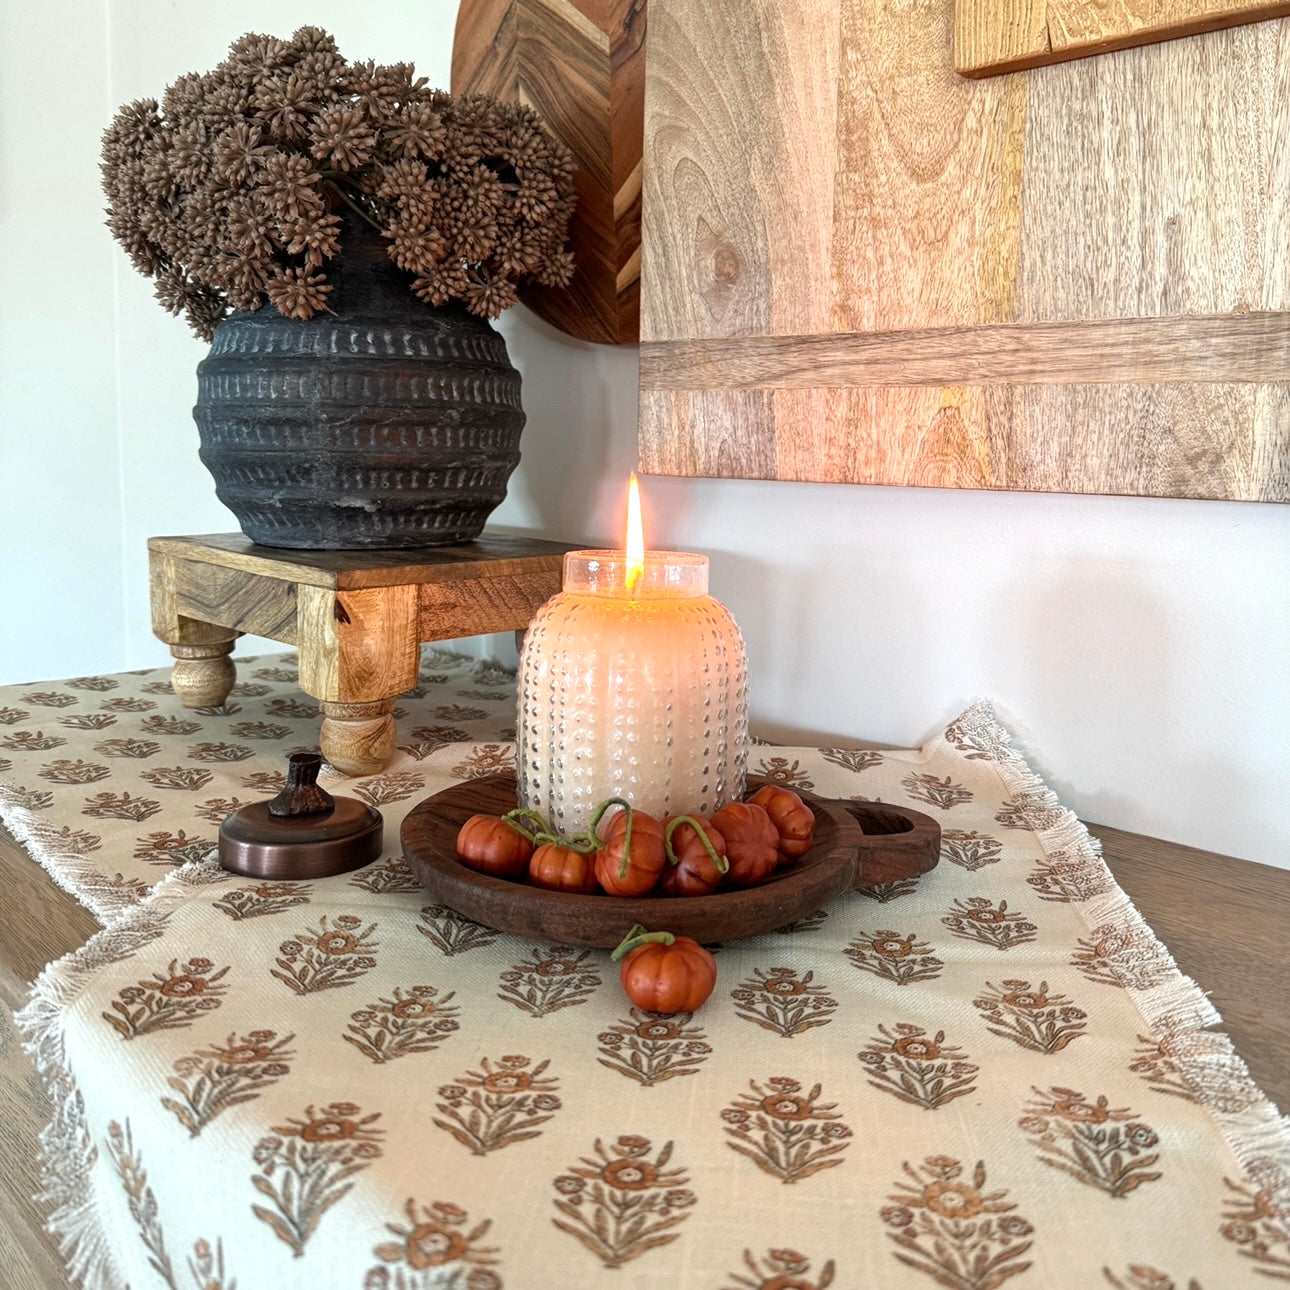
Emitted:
<point x="665" y="573"/>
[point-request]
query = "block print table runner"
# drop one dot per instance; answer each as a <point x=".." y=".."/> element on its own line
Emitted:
<point x="990" y="1075"/>
<point x="110" y="784"/>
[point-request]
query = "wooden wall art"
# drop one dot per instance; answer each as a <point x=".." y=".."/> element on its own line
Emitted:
<point x="861" y="267"/>
<point x="581" y="65"/>
<point x="990" y="37"/>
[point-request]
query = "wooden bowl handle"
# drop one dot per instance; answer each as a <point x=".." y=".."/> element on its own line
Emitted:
<point x="898" y="842"/>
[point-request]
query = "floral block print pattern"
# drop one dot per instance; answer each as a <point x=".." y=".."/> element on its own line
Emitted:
<point x="332" y="954"/>
<point x="308" y="1165"/>
<point x="619" y="1203"/>
<point x="781" y="1001"/>
<point x="436" y="1245"/>
<point x="916" y="1067"/>
<point x="1104" y="1146"/>
<point x="338" y="1081"/>
<point x="785" y="1132"/>
<point x="650" y="1048"/>
<point x="953" y="1229"/>
<point x="499" y="1104"/>
<point x="219" y="1076"/>
<point x="780" y="1270"/>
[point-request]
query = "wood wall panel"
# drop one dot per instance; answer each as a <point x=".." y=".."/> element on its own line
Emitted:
<point x="1073" y="279"/>
<point x="994" y="36"/>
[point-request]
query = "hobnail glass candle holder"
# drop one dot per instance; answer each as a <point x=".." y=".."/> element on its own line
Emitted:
<point x="638" y="692"/>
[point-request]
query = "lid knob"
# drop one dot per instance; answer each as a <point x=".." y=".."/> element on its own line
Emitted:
<point x="302" y="795"/>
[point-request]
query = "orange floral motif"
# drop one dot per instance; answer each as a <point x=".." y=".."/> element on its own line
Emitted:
<point x="784" y="1132"/>
<point x="451" y="932"/>
<point x="940" y="792"/>
<point x="218" y="1076"/>
<point x="854" y="759"/>
<point x="1156" y="1061"/>
<point x="1257" y="1218"/>
<point x="783" y="1002"/>
<point x="954" y="1230"/>
<point x="436" y="1236"/>
<point x="650" y="1048"/>
<point x="392" y="787"/>
<point x="264" y="898"/>
<point x="1031" y="1017"/>
<point x="619" y="1203"/>
<point x="980" y="919"/>
<point x="334" y="954"/>
<point x="184" y="778"/>
<point x="172" y="848"/>
<point x="1122" y="954"/>
<point x="550" y="980"/>
<point x="1070" y="876"/>
<point x="1034" y="810"/>
<point x="168" y="1000"/>
<point x="498" y="1105"/>
<point x="314" y="1158"/>
<point x="390" y="875"/>
<point x="485" y="759"/>
<point x="780" y="1270"/>
<point x="120" y="806"/>
<point x="779" y="770"/>
<point x="1097" y="1143"/>
<point x="898" y="958"/>
<point x="31" y="741"/>
<point x="73" y="772"/>
<point x="970" y="849"/>
<point x="412" y="1021"/>
<point x="917" y="1067"/>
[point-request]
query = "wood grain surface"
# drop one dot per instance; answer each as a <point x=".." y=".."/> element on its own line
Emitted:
<point x="862" y="267"/>
<point x="580" y="64"/>
<point x="990" y="37"/>
<point x="492" y="555"/>
<point x="1223" y="919"/>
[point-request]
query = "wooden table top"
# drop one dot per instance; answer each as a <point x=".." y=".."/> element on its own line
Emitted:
<point x="1223" y="919"/>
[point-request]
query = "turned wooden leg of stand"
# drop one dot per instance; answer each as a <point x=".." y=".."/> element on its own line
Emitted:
<point x="357" y="738"/>
<point x="203" y="675"/>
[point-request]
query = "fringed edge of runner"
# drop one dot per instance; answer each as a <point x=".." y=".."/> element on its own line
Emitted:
<point x="73" y="873"/>
<point x="68" y="1154"/>
<point x="1171" y="1003"/>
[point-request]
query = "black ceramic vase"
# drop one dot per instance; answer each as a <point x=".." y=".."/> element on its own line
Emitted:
<point x="386" y="423"/>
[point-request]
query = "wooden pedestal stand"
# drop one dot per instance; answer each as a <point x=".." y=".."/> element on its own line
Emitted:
<point x="357" y="619"/>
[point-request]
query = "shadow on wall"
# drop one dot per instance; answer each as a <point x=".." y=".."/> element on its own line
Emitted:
<point x="579" y="440"/>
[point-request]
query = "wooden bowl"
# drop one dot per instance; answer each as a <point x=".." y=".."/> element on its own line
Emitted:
<point x="857" y="844"/>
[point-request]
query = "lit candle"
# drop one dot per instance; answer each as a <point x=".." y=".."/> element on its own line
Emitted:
<point x="632" y="684"/>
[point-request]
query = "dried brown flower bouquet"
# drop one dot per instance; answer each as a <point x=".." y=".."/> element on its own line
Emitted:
<point x="232" y="191"/>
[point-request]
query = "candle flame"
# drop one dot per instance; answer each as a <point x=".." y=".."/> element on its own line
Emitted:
<point x="635" y="535"/>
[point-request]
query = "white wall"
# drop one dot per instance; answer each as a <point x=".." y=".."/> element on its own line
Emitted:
<point x="1136" y="647"/>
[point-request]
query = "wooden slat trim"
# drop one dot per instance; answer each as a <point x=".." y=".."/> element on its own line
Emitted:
<point x="1215" y="349"/>
<point x="983" y="46"/>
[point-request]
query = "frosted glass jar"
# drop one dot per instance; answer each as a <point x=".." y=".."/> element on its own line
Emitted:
<point x="638" y="693"/>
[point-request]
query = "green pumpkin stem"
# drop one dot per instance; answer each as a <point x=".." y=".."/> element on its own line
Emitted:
<point x="720" y="861"/>
<point x="599" y="814"/>
<point x="538" y="829"/>
<point x="637" y="937"/>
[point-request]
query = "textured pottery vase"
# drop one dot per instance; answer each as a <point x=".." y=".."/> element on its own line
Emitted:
<point x="386" y="423"/>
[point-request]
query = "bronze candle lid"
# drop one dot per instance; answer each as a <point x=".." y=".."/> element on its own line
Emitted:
<point x="304" y="832"/>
